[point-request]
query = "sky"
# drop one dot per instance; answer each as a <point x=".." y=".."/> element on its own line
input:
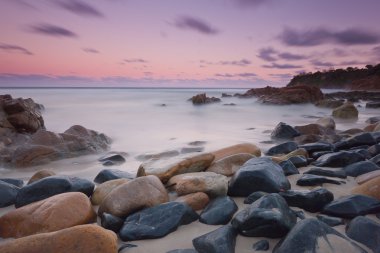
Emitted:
<point x="182" y="43"/>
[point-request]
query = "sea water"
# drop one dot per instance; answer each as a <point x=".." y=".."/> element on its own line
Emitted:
<point x="157" y="120"/>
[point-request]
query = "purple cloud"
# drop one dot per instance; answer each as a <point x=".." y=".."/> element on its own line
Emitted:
<point x="90" y="50"/>
<point x="267" y="54"/>
<point x="80" y="8"/>
<point x="52" y="30"/>
<point x="135" y="60"/>
<point x="14" y="49"/>
<point x="282" y="66"/>
<point x="244" y="75"/>
<point x="241" y="63"/>
<point x="319" y="36"/>
<point x="281" y="76"/>
<point x="318" y="63"/>
<point x="191" y="23"/>
<point x="251" y="2"/>
<point x="291" y="57"/>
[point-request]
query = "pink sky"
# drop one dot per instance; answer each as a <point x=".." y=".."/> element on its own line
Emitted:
<point x="198" y="43"/>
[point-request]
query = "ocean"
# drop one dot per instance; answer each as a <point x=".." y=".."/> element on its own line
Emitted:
<point x="156" y="120"/>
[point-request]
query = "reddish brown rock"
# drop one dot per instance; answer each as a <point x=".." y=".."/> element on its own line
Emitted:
<point x="139" y="193"/>
<point x="202" y="99"/>
<point x="247" y="148"/>
<point x="41" y="174"/>
<point x="297" y="152"/>
<point x="102" y="190"/>
<point x="327" y="122"/>
<point x="370" y="188"/>
<point x="48" y="215"/>
<point x="315" y="129"/>
<point x="367" y="177"/>
<point x="78" y="239"/>
<point x="197" y="201"/>
<point x="227" y="166"/>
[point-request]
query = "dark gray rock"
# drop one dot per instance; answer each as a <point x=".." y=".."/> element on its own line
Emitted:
<point x="157" y="221"/>
<point x="112" y="158"/>
<point x="111" y="174"/>
<point x="270" y="216"/>
<point x="300" y="214"/>
<point x="222" y="240"/>
<point x="284" y="132"/>
<point x="376" y="160"/>
<point x="126" y="246"/>
<point x="378" y="216"/>
<point x="359" y="168"/>
<point x="355" y="141"/>
<point x="258" y="174"/>
<point x="313" y="180"/>
<point x="111" y="222"/>
<point x="338" y="159"/>
<point x="16" y="182"/>
<point x="312" y="235"/>
<point x="331" y="221"/>
<point x="8" y="193"/>
<point x="254" y="196"/>
<point x="50" y="186"/>
<point x="327" y="173"/>
<point x="219" y="211"/>
<point x="372" y="105"/>
<point x="365" y="231"/>
<point x="317" y="147"/>
<point x="318" y="154"/>
<point x="372" y="120"/>
<point x="298" y="161"/>
<point x="312" y="201"/>
<point x="351" y="206"/>
<point x="283" y="148"/>
<point x="187" y="150"/>
<point x="262" y="245"/>
<point x="289" y="168"/>
<point x="183" y="251"/>
<point x="374" y="150"/>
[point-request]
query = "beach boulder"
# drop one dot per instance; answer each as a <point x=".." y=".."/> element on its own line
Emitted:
<point x="289" y="168"/>
<point x="365" y="231"/>
<point x="166" y="168"/>
<point x="41" y="174"/>
<point x="157" y="221"/>
<point x="208" y="182"/>
<point x="283" y="148"/>
<point x="331" y="221"/>
<point x="13" y="181"/>
<point x="220" y="240"/>
<point x="254" y="196"/>
<point x="327" y="122"/>
<point x="313" y="180"/>
<point x="258" y="174"/>
<point x="111" y="222"/>
<point x="269" y="216"/>
<point x="52" y="214"/>
<point x="346" y="111"/>
<point x="312" y="235"/>
<point x="370" y="188"/>
<point x="197" y="201"/>
<point x="356" y="141"/>
<point x="219" y="211"/>
<point x="284" y="132"/>
<point x="139" y="193"/>
<point x="326" y="172"/>
<point x="338" y="159"/>
<point x="102" y="190"/>
<point x="329" y="103"/>
<point x="8" y="193"/>
<point x="360" y="168"/>
<point x="111" y="174"/>
<point x="246" y="148"/>
<point x="113" y="158"/>
<point x="367" y="177"/>
<point x="83" y="239"/>
<point x="227" y="166"/>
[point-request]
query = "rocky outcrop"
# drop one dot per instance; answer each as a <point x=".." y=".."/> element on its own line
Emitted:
<point x="202" y="99"/>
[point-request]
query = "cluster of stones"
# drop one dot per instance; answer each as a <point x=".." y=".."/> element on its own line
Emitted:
<point x="55" y="213"/>
<point x="25" y="142"/>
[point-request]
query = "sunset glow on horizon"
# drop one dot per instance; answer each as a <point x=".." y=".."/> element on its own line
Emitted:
<point x="178" y="43"/>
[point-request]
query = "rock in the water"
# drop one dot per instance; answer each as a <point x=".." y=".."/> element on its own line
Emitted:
<point x="219" y="211"/>
<point x="283" y="148"/>
<point x="360" y="168"/>
<point x="50" y="186"/>
<point x="40" y="175"/>
<point x="197" y="201"/>
<point x="139" y="193"/>
<point x="258" y="174"/>
<point x="227" y="166"/>
<point x="298" y="161"/>
<point x="297" y="152"/>
<point x="327" y="122"/>
<point x="111" y="222"/>
<point x="247" y="148"/>
<point x="346" y="111"/>
<point x="289" y="168"/>
<point x="112" y="158"/>
<point x="312" y="235"/>
<point x="327" y="173"/>
<point x="183" y="251"/>
<point x="338" y="159"/>
<point x="365" y="231"/>
<point x="311" y="201"/>
<point x="8" y="193"/>
<point x="52" y="214"/>
<point x="208" y="182"/>
<point x="262" y="245"/>
<point x="13" y="181"/>
<point x="372" y="105"/>
<point x="166" y="168"/>
<point x="370" y="188"/>
<point x="102" y="190"/>
<point x="356" y="141"/>
<point x="202" y="99"/>
<point x="317" y="147"/>
<point x="329" y="103"/>
<point x="254" y="196"/>
<point x="313" y="180"/>
<point x="155" y="156"/>
<point x="270" y="216"/>
<point x="284" y="132"/>
<point x="157" y="221"/>
<point x="222" y="240"/>
<point x="313" y="129"/>
<point x="83" y="239"/>
<point x="352" y="206"/>
<point x="111" y="174"/>
<point x="373" y="120"/>
<point x="331" y="221"/>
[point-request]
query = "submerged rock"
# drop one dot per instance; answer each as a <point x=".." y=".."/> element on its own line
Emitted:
<point x="112" y="158"/>
<point x="157" y="221"/>
<point x="346" y="111"/>
<point x="365" y="231"/>
<point x="258" y="174"/>
<point x="270" y="216"/>
<point x="111" y="174"/>
<point x="312" y="235"/>
<point x="202" y="99"/>
<point x="221" y="240"/>
<point x="219" y="211"/>
<point x="284" y="132"/>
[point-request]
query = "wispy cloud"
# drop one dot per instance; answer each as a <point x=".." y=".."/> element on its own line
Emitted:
<point x="52" y="30"/>
<point x="292" y="57"/>
<point x="135" y="60"/>
<point x="282" y="66"/>
<point x="23" y="4"/>
<point x="195" y="24"/>
<point x="90" y="50"/>
<point x="80" y="8"/>
<point x="267" y="54"/>
<point x="318" y="63"/>
<point x="239" y="63"/>
<point x="319" y="36"/>
<point x="282" y="76"/>
<point x="253" y="3"/>
<point x="242" y="75"/>
<point x="14" y="49"/>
